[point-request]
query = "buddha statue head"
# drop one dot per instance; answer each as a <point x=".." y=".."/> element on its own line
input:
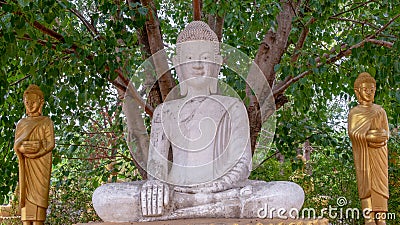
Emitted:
<point x="197" y="60"/>
<point x="364" y="87"/>
<point x="33" y="100"/>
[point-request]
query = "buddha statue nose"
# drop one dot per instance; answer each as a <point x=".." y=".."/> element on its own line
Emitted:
<point x="198" y="65"/>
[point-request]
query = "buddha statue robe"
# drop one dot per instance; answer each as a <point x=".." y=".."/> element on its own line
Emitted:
<point x="34" y="168"/>
<point x="210" y="141"/>
<point x="371" y="162"/>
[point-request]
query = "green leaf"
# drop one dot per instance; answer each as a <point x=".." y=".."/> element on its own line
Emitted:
<point x="372" y="71"/>
<point x="24" y="3"/>
<point x="143" y="11"/>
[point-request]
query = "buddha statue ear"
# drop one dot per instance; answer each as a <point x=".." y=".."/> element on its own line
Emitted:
<point x="357" y="91"/>
<point x="182" y="85"/>
<point x="41" y="106"/>
<point x="183" y="88"/>
<point x="213" y="86"/>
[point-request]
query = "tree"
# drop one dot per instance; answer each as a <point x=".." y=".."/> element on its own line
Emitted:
<point x="83" y="55"/>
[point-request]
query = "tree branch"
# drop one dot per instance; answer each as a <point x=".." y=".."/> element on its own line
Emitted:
<point x="268" y="55"/>
<point x="20" y="80"/>
<point x="45" y="43"/>
<point x="355" y="21"/>
<point x="150" y="84"/>
<point x="266" y="159"/>
<point x="90" y="159"/>
<point x="274" y="44"/>
<point x="381" y="43"/>
<point x="165" y="81"/>
<point x="82" y="145"/>
<point x="302" y="39"/>
<point x="148" y="109"/>
<point x="341" y="54"/>
<point x="354" y="8"/>
<point x="99" y="132"/>
<point x="48" y="31"/>
<point x="219" y="26"/>
<point x="93" y="31"/>
<point x="196" y="10"/>
<point x="216" y="24"/>
<point x="384" y="26"/>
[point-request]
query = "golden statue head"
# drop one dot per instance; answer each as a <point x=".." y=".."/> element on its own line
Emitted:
<point x="33" y="100"/>
<point x="365" y="87"/>
<point x="197" y="56"/>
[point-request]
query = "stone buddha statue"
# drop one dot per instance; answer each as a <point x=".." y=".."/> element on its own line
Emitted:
<point x="211" y="155"/>
<point x="369" y="132"/>
<point x="34" y="141"/>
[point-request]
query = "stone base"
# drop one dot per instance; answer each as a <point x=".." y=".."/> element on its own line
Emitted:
<point x="5" y="210"/>
<point x="6" y="213"/>
<point x="210" y="221"/>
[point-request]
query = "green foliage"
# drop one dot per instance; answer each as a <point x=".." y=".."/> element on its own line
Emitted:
<point x="73" y="183"/>
<point x="394" y="174"/>
<point x="11" y="221"/>
<point x="74" y="71"/>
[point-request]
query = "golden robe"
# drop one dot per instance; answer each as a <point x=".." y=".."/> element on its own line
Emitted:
<point x="35" y="168"/>
<point x="371" y="163"/>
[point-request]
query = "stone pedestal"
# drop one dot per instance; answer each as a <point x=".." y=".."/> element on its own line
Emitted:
<point x="5" y="210"/>
<point x="211" y="221"/>
<point x="7" y="213"/>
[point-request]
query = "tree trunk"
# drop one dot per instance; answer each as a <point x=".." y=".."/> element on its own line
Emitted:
<point x="137" y="136"/>
<point x="269" y="54"/>
<point x="165" y="81"/>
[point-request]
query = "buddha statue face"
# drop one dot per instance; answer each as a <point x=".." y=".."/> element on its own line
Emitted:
<point x="197" y="61"/>
<point x="33" y="104"/>
<point x="367" y="92"/>
<point x="197" y="65"/>
<point x="365" y="87"/>
<point x="33" y="101"/>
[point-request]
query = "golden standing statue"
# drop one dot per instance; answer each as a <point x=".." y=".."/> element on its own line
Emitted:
<point x="369" y="132"/>
<point x="34" y="141"/>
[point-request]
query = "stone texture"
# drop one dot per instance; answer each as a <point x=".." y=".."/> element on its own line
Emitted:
<point x="222" y="222"/>
<point x="120" y="202"/>
<point x="8" y="214"/>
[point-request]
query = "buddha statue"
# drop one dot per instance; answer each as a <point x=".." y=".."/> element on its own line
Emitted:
<point x="34" y="141"/>
<point x="211" y="154"/>
<point x="369" y="132"/>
